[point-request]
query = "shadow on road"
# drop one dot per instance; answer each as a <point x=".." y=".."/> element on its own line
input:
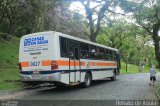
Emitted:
<point x="75" y="87"/>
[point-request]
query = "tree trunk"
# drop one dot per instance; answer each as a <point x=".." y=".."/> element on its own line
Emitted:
<point x="157" y="52"/>
<point x="156" y="40"/>
<point x="93" y="37"/>
<point x="139" y="60"/>
<point x="126" y="66"/>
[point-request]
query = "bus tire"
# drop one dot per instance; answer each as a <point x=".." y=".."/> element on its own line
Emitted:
<point x="87" y="80"/>
<point x="114" y="77"/>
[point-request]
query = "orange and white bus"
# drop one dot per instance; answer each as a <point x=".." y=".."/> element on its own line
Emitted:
<point x="54" y="57"/>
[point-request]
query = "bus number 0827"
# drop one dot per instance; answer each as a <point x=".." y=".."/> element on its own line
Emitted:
<point x="34" y="63"/>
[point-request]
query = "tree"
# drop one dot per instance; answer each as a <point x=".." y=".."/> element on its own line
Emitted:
<point x="99" y="11"/>
<point x="126" y="51"/>
<point x="147" y="15"/>
<point x="60" y="18"/>
<point x="114" y="33"/>
<point x="6" y="19"/>
<point x="20" y="17"/>
<point x="118" y="34"/>
<point x="4" y="8"/>
<point x="140" y="42"/>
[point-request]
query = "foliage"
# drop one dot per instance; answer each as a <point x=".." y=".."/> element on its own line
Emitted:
<point x="60" y="18"/>
<point x="114" y="33"/>
<point x="133" y="42"/>
<point x="98" y="9"/>
<point x="20" y="17"/>
<point x="9" y="52"/>
<point x="147" y="15"/>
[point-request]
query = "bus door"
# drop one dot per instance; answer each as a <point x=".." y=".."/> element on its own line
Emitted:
<point x="74" y="64"/>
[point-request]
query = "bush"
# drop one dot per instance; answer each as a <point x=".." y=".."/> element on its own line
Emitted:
<point x="5" y="36"/>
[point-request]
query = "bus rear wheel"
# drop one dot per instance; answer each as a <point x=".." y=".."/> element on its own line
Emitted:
<point x="87" y="80"/>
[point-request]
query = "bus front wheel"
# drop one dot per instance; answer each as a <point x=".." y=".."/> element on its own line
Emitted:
<point x="87" y="80"/>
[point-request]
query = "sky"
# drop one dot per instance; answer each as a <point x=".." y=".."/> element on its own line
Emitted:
<point x="77" y="6"/>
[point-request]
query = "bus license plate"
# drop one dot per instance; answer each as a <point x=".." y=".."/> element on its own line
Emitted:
<point x="35" y="72"/>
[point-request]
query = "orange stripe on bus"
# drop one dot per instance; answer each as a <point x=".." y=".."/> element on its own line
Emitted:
<point x="92" y="64"/>
<point x="71" y="63"/>
<point x="24" y="64"/>
<point x="46" y="63"/>
<point x="83" y="63"/>
<point x="105" y="64"/>
<point x="63" y="63"/>
<point x="102" y="64"/>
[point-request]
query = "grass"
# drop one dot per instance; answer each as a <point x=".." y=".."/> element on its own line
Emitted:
<point x="8" y="63"/>
<point x="9" y="53"/>
<point x="132" y="69"/>
<point x="8" y="79"/>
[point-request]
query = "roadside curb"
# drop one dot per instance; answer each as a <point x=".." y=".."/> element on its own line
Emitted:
<point x="158" y="96"/>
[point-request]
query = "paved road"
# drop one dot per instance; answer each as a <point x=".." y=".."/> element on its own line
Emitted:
<point x="126" y="87"/>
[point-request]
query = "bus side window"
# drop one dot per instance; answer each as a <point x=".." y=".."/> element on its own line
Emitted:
<point x="101" y="54"/>
<point x="93" y="52"/>
<point x="71" y="53"/>
<point x="107" y="54"/>
<point x="84" y="50"/>
<point x="111" y="55"/>
<point x="114" y="55"/>
<point x="63" y="47"/>
<point x="98" y="52"/>
<point x="76" y="53"/>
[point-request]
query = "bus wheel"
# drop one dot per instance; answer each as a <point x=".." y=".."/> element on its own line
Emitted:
<point x="114" y="77"/>
<point x="87" y="80"/>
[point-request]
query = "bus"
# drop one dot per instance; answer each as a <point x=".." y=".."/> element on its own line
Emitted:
<point x="57" y="58"/>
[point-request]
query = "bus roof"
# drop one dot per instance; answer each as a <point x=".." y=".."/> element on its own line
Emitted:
<point x="72" y="37"/>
